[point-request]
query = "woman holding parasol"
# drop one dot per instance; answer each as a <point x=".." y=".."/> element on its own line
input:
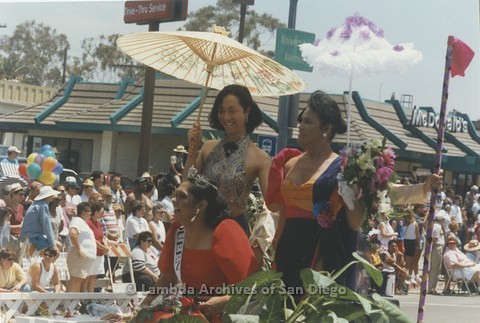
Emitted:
<point x="234" y="162"/>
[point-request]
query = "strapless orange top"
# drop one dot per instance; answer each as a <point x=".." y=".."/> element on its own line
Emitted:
<point x="298" y="198"/>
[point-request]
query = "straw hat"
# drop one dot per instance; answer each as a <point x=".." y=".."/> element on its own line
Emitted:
<point x="147" y="175"/>
<point x="473" y="245"/>
<point x="180" y="149"/>
<point x="46" y="191"/>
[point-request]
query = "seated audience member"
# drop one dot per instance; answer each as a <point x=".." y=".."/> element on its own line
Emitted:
<point x="144" y="263"/>
<point x="43" y="275"/>
<point x="213" y="249"/>
<point x="12" y="276"/>
<point x="472" y="251"/>
<point x="393" y="261"/>
<point x="459" y="263"/>
<point x="136" y="222"/>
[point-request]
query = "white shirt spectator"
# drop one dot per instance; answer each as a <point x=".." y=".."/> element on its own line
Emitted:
<point x="135" y="225"/>
<point x="85" y="237"/>
<point x="456" y="214"/>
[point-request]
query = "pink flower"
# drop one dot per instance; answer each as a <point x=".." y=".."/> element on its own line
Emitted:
<point x="383" y="175"/>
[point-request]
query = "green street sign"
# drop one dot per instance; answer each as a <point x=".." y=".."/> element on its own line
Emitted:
<point x="287" y="52"/>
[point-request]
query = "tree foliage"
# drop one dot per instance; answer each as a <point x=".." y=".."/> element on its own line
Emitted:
<point x="103" y="60"/>
<point x="34" y="53"/>
<point x="227" y="14"/>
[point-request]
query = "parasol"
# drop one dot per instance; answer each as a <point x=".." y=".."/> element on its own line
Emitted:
<point x="211" y="59"/>
<point x="357" y="48"/>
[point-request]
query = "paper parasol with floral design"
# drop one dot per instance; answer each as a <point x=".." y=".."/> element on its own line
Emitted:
<point x="358" y="48"/>
<point x="211" y="59"/>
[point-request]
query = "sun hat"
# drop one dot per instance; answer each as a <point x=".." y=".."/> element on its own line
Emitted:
<point x="15" y="187"/>
<point x="473" y="245"/>
<point x="105" y="190"/>
<point x="440" y="215"/>
<point x="14" y="149"/>
<point x="180" y="149"/>
<point x="88" y="182"/>
<point x="147" y="175"/>
<point x="474" y="187"/>
<point x="46" y="191"/>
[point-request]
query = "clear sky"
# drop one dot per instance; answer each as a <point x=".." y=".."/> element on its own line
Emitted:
<point x="426" y="23"/>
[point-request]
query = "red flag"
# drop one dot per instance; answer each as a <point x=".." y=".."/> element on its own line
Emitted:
<point x="461" y="58"/>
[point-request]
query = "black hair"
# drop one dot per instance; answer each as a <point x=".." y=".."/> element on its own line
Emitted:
<point x="327" y="111"/>
<point x="52" y="251"/>
<point x="217" y="209"/>
<point x="96" y="206"/>
<point x="135" y="206"/>
<point x="245" y="99"/>
<point x="96" y="175"/>
<point x="82" y="207"/>
<point x="143" y="236"/>
<point x="392" y="242"/>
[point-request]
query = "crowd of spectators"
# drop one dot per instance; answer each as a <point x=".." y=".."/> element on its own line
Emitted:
<point x="41" y="222"/>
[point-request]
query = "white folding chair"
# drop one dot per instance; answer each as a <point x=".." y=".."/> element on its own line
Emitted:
<point x="461" y="284"/>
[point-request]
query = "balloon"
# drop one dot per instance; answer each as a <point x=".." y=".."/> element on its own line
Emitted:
<point x="31" y="158"/>
<point x="39" y="159"/>
<point x="49" y="153"/>
<point x="58" y="169"/>
<point x="47" y="178"/>
<point x="45" y="148"/>
<point x="49" y="164"/>
<point x="34" y="170"/>
<point x="22" y="169"/>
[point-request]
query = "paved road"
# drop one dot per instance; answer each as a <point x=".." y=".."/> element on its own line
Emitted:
<point x="451" y="308"/>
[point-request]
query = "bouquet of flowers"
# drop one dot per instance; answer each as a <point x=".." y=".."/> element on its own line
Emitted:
<point x="366" y="174"/>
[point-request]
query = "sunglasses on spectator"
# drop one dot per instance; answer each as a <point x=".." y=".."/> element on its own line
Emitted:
<point x="149" y="240"/>
<point x="49" y="255"/>
<point x="9" y="258"/>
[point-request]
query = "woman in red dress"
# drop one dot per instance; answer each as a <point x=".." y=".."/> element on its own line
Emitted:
<point x="213" y="251"/>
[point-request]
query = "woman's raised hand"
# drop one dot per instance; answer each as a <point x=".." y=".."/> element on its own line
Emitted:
<point x="194" y="137"/>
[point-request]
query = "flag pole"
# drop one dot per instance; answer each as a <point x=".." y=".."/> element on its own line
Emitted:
<point x="436" y="170"/>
